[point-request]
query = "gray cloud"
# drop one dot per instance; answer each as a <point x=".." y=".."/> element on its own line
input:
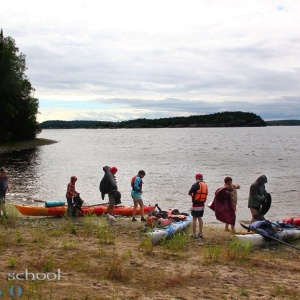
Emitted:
<point x="201" y="57"/>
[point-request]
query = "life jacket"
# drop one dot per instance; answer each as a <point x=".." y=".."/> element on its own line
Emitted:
<point x="132" y="183"/>
<point x="201" y="194"/>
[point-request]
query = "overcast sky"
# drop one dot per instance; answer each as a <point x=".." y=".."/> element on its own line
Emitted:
<point x="126" y="59"/>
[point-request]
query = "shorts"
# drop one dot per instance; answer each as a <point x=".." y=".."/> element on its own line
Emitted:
<point x="136" y="197"/>
<point x="197" y="213"/>
<point x="112" y="199"/>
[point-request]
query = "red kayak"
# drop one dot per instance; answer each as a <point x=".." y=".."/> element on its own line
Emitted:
<point x="292" y="220"/>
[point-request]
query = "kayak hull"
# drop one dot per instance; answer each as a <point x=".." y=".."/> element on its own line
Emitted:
<point x="126" y="210"/>
<point x="123" y="210"/>
<point x="56" y="210"/>
<point x="158" y="234"/>
<point x="255" y="239"/>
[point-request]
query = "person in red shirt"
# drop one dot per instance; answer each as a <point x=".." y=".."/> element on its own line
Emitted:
<point x="71" y="192"/>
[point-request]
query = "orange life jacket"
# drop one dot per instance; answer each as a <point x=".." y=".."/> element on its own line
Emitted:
<point x="201" y="194"/>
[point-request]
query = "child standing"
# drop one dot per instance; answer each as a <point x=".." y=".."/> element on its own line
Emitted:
<point x="136" y="194"/>
<point x="233" y="196"/>
<point x="71" y="192"/>
<point x="198" y="192"/>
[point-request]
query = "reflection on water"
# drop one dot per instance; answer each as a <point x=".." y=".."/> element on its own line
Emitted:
<point x="22" y="171"/>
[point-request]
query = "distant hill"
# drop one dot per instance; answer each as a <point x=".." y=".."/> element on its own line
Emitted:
<point x="223" y="119"/>
<point x="283" y="123"/>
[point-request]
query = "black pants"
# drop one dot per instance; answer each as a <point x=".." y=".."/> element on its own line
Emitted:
<point x="70" y="206"/>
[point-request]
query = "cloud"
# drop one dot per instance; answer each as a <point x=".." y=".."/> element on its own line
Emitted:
<point x="128" y="59"/>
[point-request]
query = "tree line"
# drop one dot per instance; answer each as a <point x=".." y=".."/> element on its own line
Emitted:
<point x="18" y="106"/>
<point x="221" y="119"/>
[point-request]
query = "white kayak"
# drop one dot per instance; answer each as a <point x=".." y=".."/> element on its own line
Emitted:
<point x="157" y="234"/>
<point x="255" y="239"/>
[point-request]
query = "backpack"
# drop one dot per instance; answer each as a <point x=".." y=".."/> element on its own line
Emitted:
<point x="266" y="228"/>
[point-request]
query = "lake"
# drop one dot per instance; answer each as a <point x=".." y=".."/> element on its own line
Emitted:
<point x="170" y="157"/>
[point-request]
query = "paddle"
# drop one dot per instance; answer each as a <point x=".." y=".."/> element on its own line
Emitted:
<point x="269" y="237"/>
<point x="159" y="209"/>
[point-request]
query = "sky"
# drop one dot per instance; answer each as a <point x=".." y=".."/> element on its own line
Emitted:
<point x="120" y="60"/>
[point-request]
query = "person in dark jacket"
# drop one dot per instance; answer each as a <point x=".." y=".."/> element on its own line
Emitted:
<point x="257" y="196"/>
<point x="108" y="185"/>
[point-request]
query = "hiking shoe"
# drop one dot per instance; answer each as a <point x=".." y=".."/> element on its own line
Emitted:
<point x="143" y="220"/>
<point x="200" y="234"/>
<point x="134" y="220"/>
<point x="194" y="235"/>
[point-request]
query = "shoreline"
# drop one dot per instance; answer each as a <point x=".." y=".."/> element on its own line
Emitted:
<point x="22" y="145"/>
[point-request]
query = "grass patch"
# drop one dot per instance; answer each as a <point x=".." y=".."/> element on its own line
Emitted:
<point x="176" y="244"/>
<point x="212" y="254"/>
<point x="116" y="267"/>
<point x="116" y="261"/>
<point x="12" y="262"/>
<point x="236" y="251"/>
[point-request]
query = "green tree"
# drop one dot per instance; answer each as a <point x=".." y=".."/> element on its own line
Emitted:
<point x="18" y="107"/>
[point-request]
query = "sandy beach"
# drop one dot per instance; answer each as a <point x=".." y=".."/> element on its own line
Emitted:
<point x="86" y="258"/>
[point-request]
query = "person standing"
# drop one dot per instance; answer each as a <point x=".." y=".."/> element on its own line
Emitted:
<point x="198" y="192"/>
<point x="114" y="194"/>
<point x="257" y="196"/>
<point x="71" y="192"/>
<point x="4" y="186"/>
<point x="136" y="194"/>
<point x="233" y="196"/>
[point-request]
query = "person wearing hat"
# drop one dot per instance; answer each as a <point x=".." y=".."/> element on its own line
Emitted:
<point x="4" y="186"/>
<point x="233" y="196"/>
<point x="257" y="196"/>
<point x="108" y="185"/>
<point x="71" y="192"/>
<point x="114" y="194"/>
<point x="198" y="192"/>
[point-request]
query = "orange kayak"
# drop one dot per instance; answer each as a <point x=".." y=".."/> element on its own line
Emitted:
<point x="56" y="210"/>
<point x="124" y="210"/>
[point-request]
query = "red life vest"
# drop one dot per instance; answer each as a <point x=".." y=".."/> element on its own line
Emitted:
<point x="133" y="180"/>
<point x="201" y="194"/>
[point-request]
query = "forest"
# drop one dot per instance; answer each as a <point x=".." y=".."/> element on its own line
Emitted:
<point x="18" y="105"/>
<point x="221" y="119"/>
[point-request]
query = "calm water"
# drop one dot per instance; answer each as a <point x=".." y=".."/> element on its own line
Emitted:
<point x="170" y="158"/>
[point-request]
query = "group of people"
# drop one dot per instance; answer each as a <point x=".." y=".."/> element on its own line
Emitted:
<point x="258" y="196"/>
<point x="199" y="191"/>
<point x="108" y="185"/>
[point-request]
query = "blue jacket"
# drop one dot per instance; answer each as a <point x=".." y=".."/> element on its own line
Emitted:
<point x="137" y="186"/>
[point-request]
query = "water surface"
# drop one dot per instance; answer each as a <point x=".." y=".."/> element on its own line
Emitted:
<point x="170" y="157"/>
